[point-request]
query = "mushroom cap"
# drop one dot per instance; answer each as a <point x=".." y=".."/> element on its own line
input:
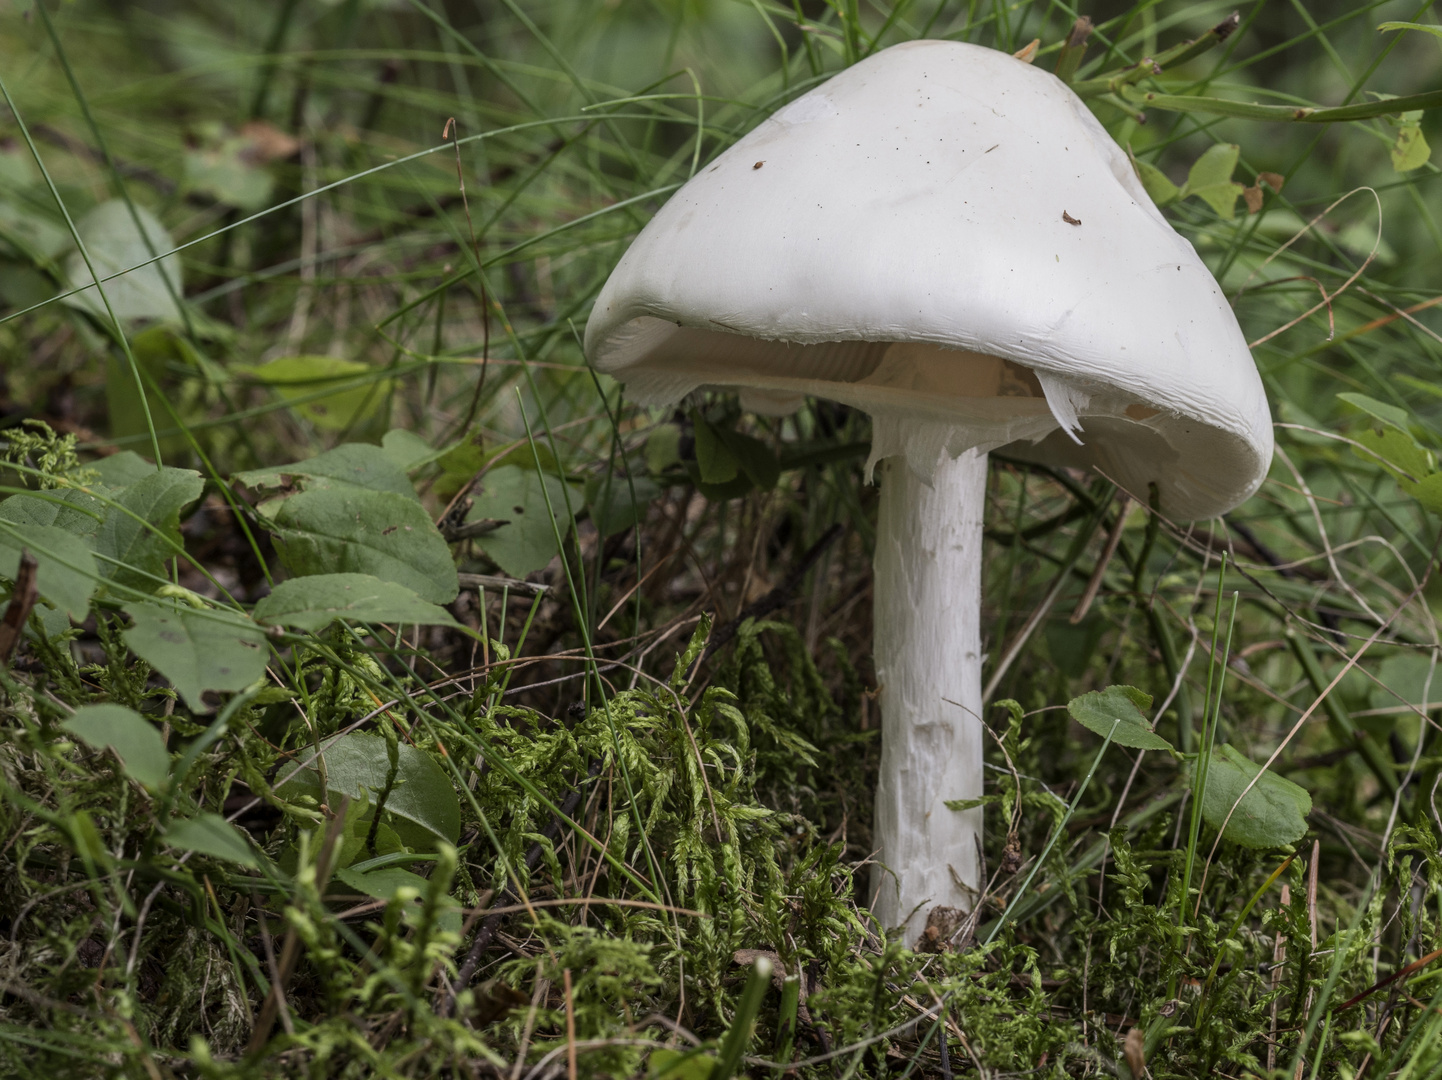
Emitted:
<point x="945" y="237"/>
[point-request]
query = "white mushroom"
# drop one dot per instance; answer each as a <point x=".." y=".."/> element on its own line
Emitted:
<point x="945" y="237"/>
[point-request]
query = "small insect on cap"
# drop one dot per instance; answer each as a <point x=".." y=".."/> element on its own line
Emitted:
<point x="945" y="237"/>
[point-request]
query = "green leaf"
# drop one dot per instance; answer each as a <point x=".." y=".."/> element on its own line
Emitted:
<point x="158" y="499"/>
<point x="1410" y="151"/>
<point x="133" y="738"/>
<point x="608" y="497"/>
<point x="386" y="882"/>
<point x="1273" y="814"/>
<point x="345" y="529"/>
<point x="294" y="377"/>
<point x="114" y="243"/>
<point x="754" y="458"/>
<point x="406" y="449"/>
<point x="694" y="1064"/>
<point x="122" y="469"/>
<point x="1428" y="492"/>
<point x="518" y="496"/>
<point x="355" y="464"/>
<point x="1117" y="711"/>
<point x="1158" y="186"/>
<point x="1435" y="31"/>
<point x="714" y="459"/>
<point x="66" y="574"/>
<point x="1399" y="453"/>
<point x="422" y="802"/>
<point x="458" y="465"/>
<point x="226" y="168"/>
<point x="1389" y="415"/>
<point x="75" y="512"/>
<point x="663" y="448"/>
<point x="1215" y="166"/>
<point x="211" y="834"/>
<point x="1210" y="179"/>
<point x="313" y="603"/>
<point x="197" y="649"/>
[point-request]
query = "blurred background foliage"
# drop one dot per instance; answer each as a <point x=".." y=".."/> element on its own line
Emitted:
<point x="391" y="218"/>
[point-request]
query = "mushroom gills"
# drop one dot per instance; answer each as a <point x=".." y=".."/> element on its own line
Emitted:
<point x="925" y="399"/>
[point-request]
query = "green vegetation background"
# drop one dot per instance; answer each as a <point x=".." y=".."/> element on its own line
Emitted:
<point x="376" y="732"/>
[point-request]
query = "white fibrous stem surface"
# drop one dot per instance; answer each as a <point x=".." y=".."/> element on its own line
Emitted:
<point x="927" y="612"/>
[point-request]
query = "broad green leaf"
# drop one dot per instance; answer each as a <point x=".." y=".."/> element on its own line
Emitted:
<point x="737" y="486"/>
<point x="1117" y="711"/>
<point x="122" y="469"/>
<point x="1396" y="451"/>
<point x="714" y="459"/>
<point x="1273" y="814"/>
<point x="126" y="544"/>
<point x="73" y="511"/>
<point x="345" y="529"/>
<point x="694" y="1064"/>
<point x="114" y="243"/>
<point x="526" y="455"/>
<point x="754" y="458"/>
<point x="357" y="464"/>
<point x="295" y="377"/>
<point x="1410" y="151"/>
<point x="663" y="448"/>
<point x="422" y="802"/>
<point x="1220" y="197"/>
<point x="197" y="649"/>
<point x="1215" y="166"/>
<point x="211" y="834"/>
<point x="1210" y="179"/>
<point x="386" y="882"/>
<point x="228" y="169"/>
<point x="132" y="737"/>
<point x="313" y="603"/>
<point x="1389" y="415"/>
<point x="608" y="497"/>
<point x="66" y="574"/>
<point x="518" y="496"/>
<point x="1158" y="186"/>
<point x="1428" y="492"/>
<point x="406" y="449"/>
<point x="458" y="465"/>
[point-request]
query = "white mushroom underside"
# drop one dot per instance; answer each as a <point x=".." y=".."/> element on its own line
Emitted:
<point x="926" y="400"/>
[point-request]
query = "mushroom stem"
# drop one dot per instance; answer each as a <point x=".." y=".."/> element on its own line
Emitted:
<point x="927" y="644"/>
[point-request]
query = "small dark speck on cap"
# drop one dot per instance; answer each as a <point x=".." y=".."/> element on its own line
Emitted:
<point x="758" y="165"/>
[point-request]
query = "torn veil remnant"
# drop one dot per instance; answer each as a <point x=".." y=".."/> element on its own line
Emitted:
<point x="901" y="252"/>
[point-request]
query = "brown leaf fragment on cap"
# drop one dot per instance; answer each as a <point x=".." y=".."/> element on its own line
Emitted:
<point x="1134" y="1049"/>
<point x="1272" y="180"/>
<point x="1069" y="219"/>
<point x="1027" y="53"/>
<point x="1253" y="197"/>
<point x="758" y="165"/>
